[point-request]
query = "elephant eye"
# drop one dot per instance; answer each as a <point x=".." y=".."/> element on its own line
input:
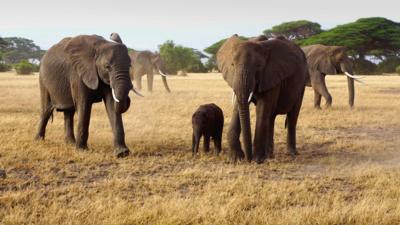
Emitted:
<point x="107" y="66"/>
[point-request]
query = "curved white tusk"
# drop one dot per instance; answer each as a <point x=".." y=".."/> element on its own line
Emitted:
<point x="161" y="73"/>
<point x="353" y="76"/>
<point x="136" y="92"/>
<point x="114" y="96"/>
<point x="233" y="98"/>
<point x="251" y="95"/>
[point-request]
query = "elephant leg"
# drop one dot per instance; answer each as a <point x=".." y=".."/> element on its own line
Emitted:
<point x="233" y="136"/>
<point x="319" y="85"/>
<point x="264" y="113"/>
<point x="84" y="110"/>
<point x="206" y="145"/>
<point x="217" y="143"/>
<point x="292" y="117"/>
<point x="47" y="111"/>
<point x="150" y="78"/>
<point x="115" y="119"/>
<point x="270" y="138"/>
<point x="69" y="126"/>
<point x="317" y="100"/>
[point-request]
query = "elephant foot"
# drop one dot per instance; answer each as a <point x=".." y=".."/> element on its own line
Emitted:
<point x="259" y="159"/>
<point x="81" y="146"/>
<point x="69" y="140"/>
<point x="121" y="152"/>
<point x="39" y="137"/>
<point x="237" y="155"/>
<point x="270" y="155"/>
<point x="317" y="107"/>
<point x="293" y="152"/>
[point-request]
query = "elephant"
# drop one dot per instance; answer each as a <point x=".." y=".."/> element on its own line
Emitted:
<point x="77" y="72"/>
<point x="323" y="60"/>
<point x="271" y="74"/>
<point x="144" y="62"/>
<point x="207" y="121"/>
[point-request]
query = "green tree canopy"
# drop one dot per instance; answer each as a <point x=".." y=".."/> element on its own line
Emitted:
<point x="294" y="30"/>
<point x="18" y="49"/>
<point x="177" y="57"/>
<point x="367" y="36"/>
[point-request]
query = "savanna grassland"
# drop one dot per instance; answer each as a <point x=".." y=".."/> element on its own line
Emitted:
<point x="348" y="170"/>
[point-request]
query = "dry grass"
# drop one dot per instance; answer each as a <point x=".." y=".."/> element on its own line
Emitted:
<point x="348" y="171"/>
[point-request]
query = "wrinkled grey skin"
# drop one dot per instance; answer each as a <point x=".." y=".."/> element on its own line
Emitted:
<point x="77" y="72"/>
<point x="275" y="72"/>
<point x="323" y="60"/>
<point x="144" y="63"/>
<point x="207" y="122"/>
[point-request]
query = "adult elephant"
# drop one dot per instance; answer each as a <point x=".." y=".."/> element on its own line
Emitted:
<point x="323" y="60"/>
<point x="79" y="71"/>
<point x="271" y="74"/>
<point x="144" y="63"/>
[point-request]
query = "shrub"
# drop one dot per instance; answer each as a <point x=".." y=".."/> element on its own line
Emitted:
<point x="24" y="67"/>
<point x="388" y="65"/>
<point x="365" y="67"/>
<point x="398" y="69"/>
<point x="5" y="67"/>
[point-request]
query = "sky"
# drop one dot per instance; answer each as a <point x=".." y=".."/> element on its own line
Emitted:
<point x="148" y="23"/>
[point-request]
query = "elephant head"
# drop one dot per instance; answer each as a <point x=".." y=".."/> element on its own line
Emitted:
<point x="96" y="59"/>
<point x="247" y="68"/>
<point x="332" y="60"/>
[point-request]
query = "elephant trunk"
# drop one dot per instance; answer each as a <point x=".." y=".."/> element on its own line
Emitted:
<point x="244" y="117"/>
<point x="164" y="79"/>
<point x="346" y="68"/>
<point x="350" y="86"/>
<point x="120" y="88"/>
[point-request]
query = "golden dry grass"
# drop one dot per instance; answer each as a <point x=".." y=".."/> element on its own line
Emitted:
<point x="348" y="170"/>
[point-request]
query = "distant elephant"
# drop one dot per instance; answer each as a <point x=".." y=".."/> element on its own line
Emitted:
<point x="323" y="60"/>
<point x="144" y="62"/>
<point x="79" y="71"/>
<point x="271" y="74"/>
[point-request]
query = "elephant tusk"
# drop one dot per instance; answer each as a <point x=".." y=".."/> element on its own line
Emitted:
<point x="353" y="76"/>
<point x="251" y="95"/>
<point x="136" y="92"/>
<point x="161" y="73"/>
<point x="113" y="94"/>
<point x="233" y="98"/>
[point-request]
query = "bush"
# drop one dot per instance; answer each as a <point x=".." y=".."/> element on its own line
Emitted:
<point x="388" y="65"/>
<point x="398" y="69"/>
<point x="24" y="67"/>
<point x="365" y="67"/>
<point x="5" y="67"/>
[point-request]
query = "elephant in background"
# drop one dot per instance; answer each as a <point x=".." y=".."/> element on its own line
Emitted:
<point x="80" y="71"/>
<point x="144" y="63"/>
<point x="272" y="75"/>
<point x="323" y="60"/>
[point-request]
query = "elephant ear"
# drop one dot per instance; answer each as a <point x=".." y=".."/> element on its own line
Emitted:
<point x="225" y="56"/>
<point x="81" y="51"/>
<point x="276" y="64"/>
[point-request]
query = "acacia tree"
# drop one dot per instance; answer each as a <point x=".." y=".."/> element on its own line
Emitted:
<point x="365" y="38"/>
<point x="294" y="30"/>
<point x="18" y="49"/>
<point x="177" y="57"/>
<point x="374" y="36"/>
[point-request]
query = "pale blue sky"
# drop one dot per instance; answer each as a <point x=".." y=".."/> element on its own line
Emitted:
<point x="148" y="23"/>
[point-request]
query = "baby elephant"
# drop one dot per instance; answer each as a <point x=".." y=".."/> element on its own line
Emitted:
<point x="207" y="121"/>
